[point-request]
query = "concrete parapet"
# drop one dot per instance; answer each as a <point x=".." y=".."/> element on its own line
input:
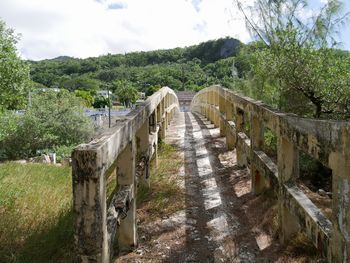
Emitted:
<point x="98" y="223"/>
<point x="325" y="141"/>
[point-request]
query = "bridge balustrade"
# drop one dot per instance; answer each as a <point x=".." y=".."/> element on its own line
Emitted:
<point x="106" y="212"/>
<point x="324" y="140"/>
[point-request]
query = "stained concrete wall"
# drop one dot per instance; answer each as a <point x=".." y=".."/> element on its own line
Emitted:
<point x="326" y="141"/>
<point x="117" y="151"/>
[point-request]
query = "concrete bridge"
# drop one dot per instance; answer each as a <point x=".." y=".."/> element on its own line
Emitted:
<point x="107" y="171"/>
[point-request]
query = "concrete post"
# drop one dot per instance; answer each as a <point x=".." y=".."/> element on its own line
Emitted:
<point x="230" y="136"/>
<point x="158" y="114"/>
<point x="162" y="120"/>
<point x="168" y="112"/>
<point x="142" y="138"/>
<point x="89" y="206"/>
<point x="212" y="105"/>
<point x="216" y="92"/>
<point x="222" y="109"/>
<point x="239" y="128"/>
<point x="166" y="117"/>
<point x="288" y="170"/>
<point x="207" y="109"/>
<point x="155" y="114"/>
<point x="211" y="115"/>
<point x="211" y="119"/>
<point x="340" y="241"/>
<point x="203" y="110"/>
<point x="200" y="100"/>
<point x="166" y="120"/>
<point x="152" y="122"/>
<point x="126" y="161"/>
<point x="339" y="162"/>
<point x="288" y="160"/>
<point x="257" y="142"/>
<point x="216" y="112"/>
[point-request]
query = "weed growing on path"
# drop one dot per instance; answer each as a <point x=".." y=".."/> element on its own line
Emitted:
<point x="165" y="196"/>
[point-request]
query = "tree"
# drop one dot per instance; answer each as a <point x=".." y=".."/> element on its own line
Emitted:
<point x="86" y="96"/>
<point x="281" y="23"/>
<point x="125" y="91"/>
<point x="101" y="102"/>
<point x="152" y="89"/>
<point x="14" y="73"/>
<point x="82" y="82"/>
<point x="176" y="68"/>
<point x="296" y="54"/>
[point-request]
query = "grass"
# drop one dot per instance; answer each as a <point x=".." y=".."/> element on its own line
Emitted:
<point x="165" y="196"/>
<point x="36" y="222"/>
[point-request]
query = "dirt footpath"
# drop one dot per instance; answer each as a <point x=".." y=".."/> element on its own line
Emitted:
<point x="222" y="221"/>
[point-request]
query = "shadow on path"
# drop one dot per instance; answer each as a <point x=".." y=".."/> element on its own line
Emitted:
<point x="197" y="248"/>
<point x="211" y="224"/>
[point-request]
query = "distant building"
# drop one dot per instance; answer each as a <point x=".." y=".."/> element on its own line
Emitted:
<point x="185" y="98"/>
<point x="104" y="93"/>
<point x="48" y="89"/>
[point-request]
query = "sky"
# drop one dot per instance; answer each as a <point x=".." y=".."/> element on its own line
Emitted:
<point x="87" y="28"/>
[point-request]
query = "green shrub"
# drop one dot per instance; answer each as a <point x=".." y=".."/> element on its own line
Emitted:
<point x="86" y="96"/>
<point x="63" y="152"/>
<point x="54" y="119"/>
<point x="125" y="90"/>
<point x="101" y="102"/>
<point x="9" y="124"/>
<point x="270" y="143"/>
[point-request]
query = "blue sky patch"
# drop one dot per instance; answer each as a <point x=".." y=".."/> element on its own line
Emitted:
<point x="196" y="4"/>
<point x="116" y="6"/>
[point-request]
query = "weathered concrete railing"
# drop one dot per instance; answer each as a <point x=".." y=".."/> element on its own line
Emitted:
<point x="326" y="141"/>
<point x="99" y="218"/>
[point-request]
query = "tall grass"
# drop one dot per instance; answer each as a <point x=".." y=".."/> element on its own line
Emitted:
<point x="36" y="223"/>
<point x="165" y="196"/>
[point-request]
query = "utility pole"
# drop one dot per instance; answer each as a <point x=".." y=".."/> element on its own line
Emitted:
<point x="109" y="107"/>
<point x="183" y="76"/>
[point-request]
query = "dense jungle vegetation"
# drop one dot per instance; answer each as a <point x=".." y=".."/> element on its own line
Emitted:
<point x="190" y="68"/>
<point x="306" y="80"/>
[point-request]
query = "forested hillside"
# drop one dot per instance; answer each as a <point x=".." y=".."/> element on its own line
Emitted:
<point x="180" y="68"/>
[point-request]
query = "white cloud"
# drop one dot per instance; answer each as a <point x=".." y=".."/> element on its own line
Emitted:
<point x="83" y="28"/>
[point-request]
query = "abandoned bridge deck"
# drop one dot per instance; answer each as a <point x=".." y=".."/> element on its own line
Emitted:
<point x="226" y="172"/>
<point x="222" y="219"/>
